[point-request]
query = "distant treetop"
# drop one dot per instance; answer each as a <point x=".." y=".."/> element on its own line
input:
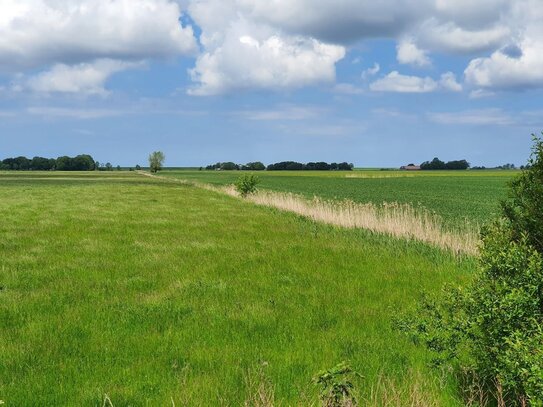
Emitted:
<point x="437" y="164"/>
<point x="282" y="166"/>
<point x="83" y="162"/>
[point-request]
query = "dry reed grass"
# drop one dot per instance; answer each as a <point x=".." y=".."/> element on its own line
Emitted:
<point x="393" y="219"/>
<point x="385" y="392"/>
<point x="398" y="220"/>
<point x="261" y="389"/>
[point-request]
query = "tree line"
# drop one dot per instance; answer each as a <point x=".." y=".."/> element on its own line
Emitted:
<point x="282" y="166"/>
<point x="230" y="166"/>
<point x="437" y="164"/>
<point x="82" y="162"/>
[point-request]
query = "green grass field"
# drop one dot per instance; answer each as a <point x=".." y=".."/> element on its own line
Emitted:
<point x="154" y="292"/>
<point x="455" y="195"/>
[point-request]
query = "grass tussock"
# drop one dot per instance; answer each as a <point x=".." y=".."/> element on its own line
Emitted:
<point x="385" y="392"/>
<point x="261" y="390"/>
<point x="394" y="219"/>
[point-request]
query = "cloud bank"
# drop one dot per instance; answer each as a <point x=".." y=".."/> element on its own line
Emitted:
<point x="76" y="45"/>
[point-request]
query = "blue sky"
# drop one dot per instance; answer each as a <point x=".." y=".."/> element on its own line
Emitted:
<point x="207" y="80"/>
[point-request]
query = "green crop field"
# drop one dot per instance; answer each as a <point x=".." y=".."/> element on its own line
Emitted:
<point x="158" y="294"/>
<point x="455" y="195"/>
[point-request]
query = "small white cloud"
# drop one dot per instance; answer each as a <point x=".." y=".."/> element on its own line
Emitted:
<point x="73" y="113"/>
<point x="396" y="82"/>
<point x="371" y="71"/>
<point x="85" y="78"/>
<point x="393" y="113"/>
<point x="448" y="82"/>
<point x="7" y="113"/>
<point x="409" y="53"/>
<point x="282" y="113"/>
<point x="348" y="89"/>
<point x="473" y="117"/>
<point x="480" y="93"/>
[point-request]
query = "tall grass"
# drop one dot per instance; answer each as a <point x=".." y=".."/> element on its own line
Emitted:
<point x="394" y="219"/>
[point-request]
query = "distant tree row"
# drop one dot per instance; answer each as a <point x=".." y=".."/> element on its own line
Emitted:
<point x="437" y="164"/>
<point x="281" y="166"/>
<point x="230" y="166"/>
<point x="83" y="162"/>
<point x="501" y="167"/>
<point x="311" y="166"/>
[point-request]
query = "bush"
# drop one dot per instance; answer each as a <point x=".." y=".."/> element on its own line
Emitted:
<point x="246" y="184"/>
<point x="336" y="386"/>
<point x="493" y="328"/>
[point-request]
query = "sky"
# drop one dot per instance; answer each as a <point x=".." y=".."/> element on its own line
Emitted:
<point x="378" y="84"/>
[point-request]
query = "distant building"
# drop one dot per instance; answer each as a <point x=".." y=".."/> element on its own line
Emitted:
<point x="410" y="167"/>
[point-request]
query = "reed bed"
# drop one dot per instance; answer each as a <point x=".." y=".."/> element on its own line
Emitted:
<point x="394" y="219"/>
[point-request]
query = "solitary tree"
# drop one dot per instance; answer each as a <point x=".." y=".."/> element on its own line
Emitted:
<point x="156" y="159"/>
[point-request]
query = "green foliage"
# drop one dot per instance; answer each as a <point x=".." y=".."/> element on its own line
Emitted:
<point x="336" y="386"/>
<point x="246" y="184"/>
<point x="524" y="209"/>
<point x="254" y="166"/>
<point x="156" y="160"/>
<point x="82" y="162"/>
<point x="437" y="164"/>
<point x="494" y="326"/>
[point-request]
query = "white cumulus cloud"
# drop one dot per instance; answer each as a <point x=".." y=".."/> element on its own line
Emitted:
<point x="396" y="82"/>
<point x="84" y="78"/>
<point x="34" y="33"/>
<point x="409" y="53"/>
<point x="246" y="56"/>
<point x="448" y="82"/>
<point x="270" y="44"/>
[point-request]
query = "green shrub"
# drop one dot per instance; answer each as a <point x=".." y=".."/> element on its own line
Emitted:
<point x="246" y="184"/>
<point x="336" y="386"/>
<point x="493" y="328"/>
<point x="524" y="209"/>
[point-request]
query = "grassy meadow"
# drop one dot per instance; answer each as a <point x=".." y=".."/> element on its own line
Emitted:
<point x="456" y="196"/>
<point x="154" y="293"/>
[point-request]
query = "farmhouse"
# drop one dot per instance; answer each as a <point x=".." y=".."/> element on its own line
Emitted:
<point x="410" y="167"/>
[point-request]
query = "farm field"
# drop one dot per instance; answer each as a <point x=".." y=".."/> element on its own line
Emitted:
<point x="456" y="196"/>
<point x="156" y="293"/>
